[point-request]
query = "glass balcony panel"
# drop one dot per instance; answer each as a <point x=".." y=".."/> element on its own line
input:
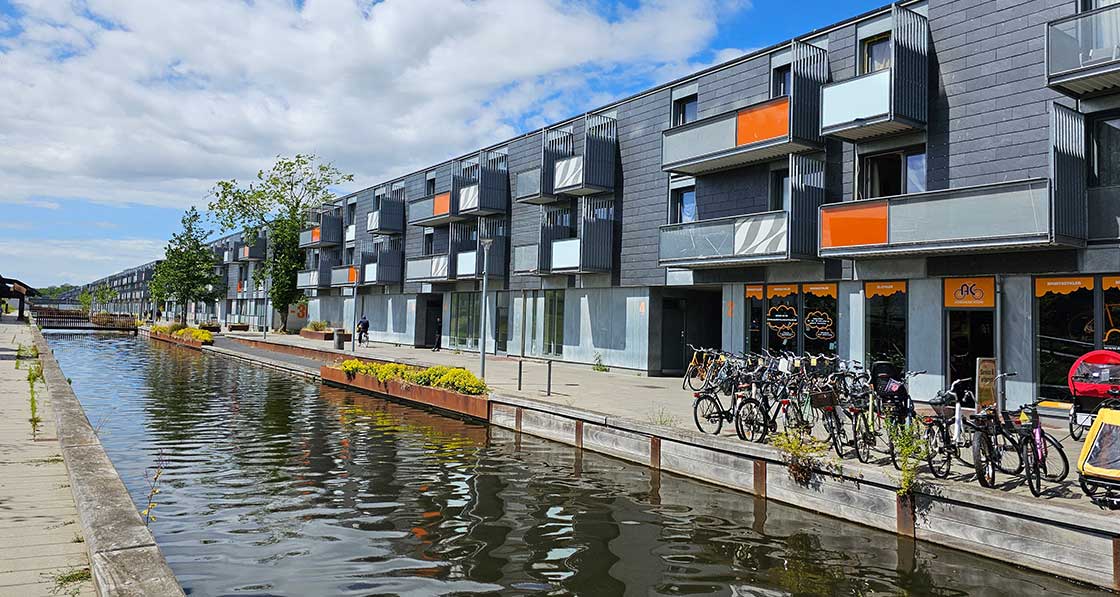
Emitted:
<point x="565" y="254"/>
<point x="465" y="263"/>
<point x="468" y="197"/>
<point x="525" y="258"/>
<point x="754" y="237"/>
<point x="862" y="98"/>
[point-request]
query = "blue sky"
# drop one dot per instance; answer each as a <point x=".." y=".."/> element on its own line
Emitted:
<point x="118" y="117"/>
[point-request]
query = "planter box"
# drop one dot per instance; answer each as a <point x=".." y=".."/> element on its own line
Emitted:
<point x="210" y="327"/>
<point x="312" y="334"/>
<point x="195" y="344"/>
<point x="464" y="404"/>
<point x="238" y="327"/>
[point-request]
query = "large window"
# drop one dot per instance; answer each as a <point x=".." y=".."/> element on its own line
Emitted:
<point x="685" y="110"/>
<point x="1065" y="329"/>
<point x="799" y="318"/>
<point x="554" y="322"/>
<point x="875" y="54"/>
<point x="782" y="317"/>
<point x="464" y="319"/>
<point x="886" y="322"/>
<point x="682" y="205"/>
<point x="430" y="187"/>
<point x="819" y="321"/>
<point x="756" y="306"/>
<point x="893" y="173"/>
<point x="501" y="321"/>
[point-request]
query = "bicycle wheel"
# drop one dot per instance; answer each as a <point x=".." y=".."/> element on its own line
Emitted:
<point x="938" y="457"/>
<point x="836" y="434"/>
<point x="982" y="457"/>
<point x="694" y="377"/>
<point x="1032" y="472"/>
<point x="708" y="415"/>
<point x="1006" y="454"/>
<point x="862" y="438"/>
<point x="1055" y="465"/>
<point x="750" y="422"/>
<point x="1075" y="430"/>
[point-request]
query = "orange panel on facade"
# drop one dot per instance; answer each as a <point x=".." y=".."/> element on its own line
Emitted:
<point x="753" y="291"/>
<point x="352" y="275"/>
<point x="828" y="290"/>
<point x="970" y="292"/>
<point x="762" y="123"/>
<point x="315" y="235"/>
<point x="855" y="224"/>
<point x="1062" y="285"/>
<point x="874" y="289"/>
<point x="773" y="291"/>
<point x="441" y="204"/>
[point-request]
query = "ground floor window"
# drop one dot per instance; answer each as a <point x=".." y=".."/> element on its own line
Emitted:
<point x="554" y="322"/>
<point x="464" y="319"/>
<point x="1065" y="329"/>
<point x="799" y="318"/>
<point x="501" y="321"/>
<point x="885" y="311"/>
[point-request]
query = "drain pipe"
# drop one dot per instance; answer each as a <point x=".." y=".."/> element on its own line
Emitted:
<point x="1002" y="383"/>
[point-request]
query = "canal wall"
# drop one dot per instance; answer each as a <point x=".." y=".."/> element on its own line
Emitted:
<point x="124" y="558"/>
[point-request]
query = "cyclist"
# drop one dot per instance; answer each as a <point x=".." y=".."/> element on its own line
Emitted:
<point x="363" y="330"/>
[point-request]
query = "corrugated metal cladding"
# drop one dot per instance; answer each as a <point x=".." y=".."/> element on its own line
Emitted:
<point x="597" y="233"/>
<point x="809" y="71"/>
<point x="1067" y="132"/>
<point x="910" y="64"/>
<point x="806" y="175"/>
<point x="599" y="152"/>
<point x="558" y="144"/>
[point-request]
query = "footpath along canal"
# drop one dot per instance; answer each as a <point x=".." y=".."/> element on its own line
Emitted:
<point x="275" y="485"/>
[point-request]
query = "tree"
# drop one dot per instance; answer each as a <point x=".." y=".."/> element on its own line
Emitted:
<point x="188" y="270"/>
<point x="103" y="295"/>
<point x="85" y="299"/>
<point x="54" y="292"/>
<point x="277" y="202"/>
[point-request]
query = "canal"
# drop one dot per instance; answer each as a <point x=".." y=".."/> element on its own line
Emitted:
<point x="272" y="485"/>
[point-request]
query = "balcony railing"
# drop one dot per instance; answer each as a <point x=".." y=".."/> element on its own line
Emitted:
<point x="758" y="132"/>
<point x="229" y="255"/>
<point x="592" y="172"/>
<point x="316" y="278"/>
<point x="1083" y="53"/>
<point x="526" y="260"/>
<point x="434" y="210"/>
<point x="1024" y="214"/>
<point x="428" y="268"/>
<point x="482" y="184"/>
<point x="383" y="265"/>
<point x="888" y="101"/>
<point x="253" y="252"/>
<point x="327" y="233"/>
<point x="345" y="275"/>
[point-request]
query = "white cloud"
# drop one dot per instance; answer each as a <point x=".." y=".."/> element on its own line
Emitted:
<point x="177" y="94"/>
<point x="54" y="261"/>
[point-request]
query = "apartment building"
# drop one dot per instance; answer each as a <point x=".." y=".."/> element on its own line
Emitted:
<point x="928" y="183"/>
<point x="130" y="286"/>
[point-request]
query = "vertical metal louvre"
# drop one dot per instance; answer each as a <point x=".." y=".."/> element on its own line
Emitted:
<point x="556" y="224"/>
<point x="809" y="71"/>
<point x="557" y="145"/>
<point x="600" y="141"/>
<point x="910" y="65"/>
<point x="596" y="234"/>
<point x="1068" y="173"/>
<point x="493" y="181"/>
<point x="497" y="228"/>
<point x="806" y="176"/>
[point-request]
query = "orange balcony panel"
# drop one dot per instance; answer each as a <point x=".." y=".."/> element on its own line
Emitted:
<point x="762" y="123"/>
<point x="241" y="286"/>
<point x="352" y="274"/>
<point x="315" y="233"/>
<point x="857" y="224"/>
<point x="441" y="204"/>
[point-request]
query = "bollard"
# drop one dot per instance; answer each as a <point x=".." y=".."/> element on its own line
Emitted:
<point x="520" y="363"/>
<point x="549" y="389"/>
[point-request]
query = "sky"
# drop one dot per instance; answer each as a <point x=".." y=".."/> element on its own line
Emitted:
<point x="117" y="115"/>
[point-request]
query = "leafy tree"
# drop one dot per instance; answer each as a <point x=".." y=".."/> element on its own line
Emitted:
<point x="53" y="292"/>
<point x="85" y="299"/>
<point x="277" y="203"/>
<point x="103" y="295"/>
<point x="187" y="272"/>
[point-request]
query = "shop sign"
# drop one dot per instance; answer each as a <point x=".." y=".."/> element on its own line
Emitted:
<point x="828" y="290"/>
<point x="985" y="382"/>
<point x="873" y="289"/>
<point x="754" y="291"/>
<point x="1042" y="286"/>
<point x="818" y="325"/>
<point x="782" y="319"/>
<point x="1110" y="282"/>
<point x="773" y="291"/>
<point x="970" y="292"/>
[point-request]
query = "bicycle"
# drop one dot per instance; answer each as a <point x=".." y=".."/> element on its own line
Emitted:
<point x="708" y="412"/>
<point x="946" y="434"/>
<point x="699" y="368"/>
<point x="1042" y="455"/>
<point x="993" y="448"/>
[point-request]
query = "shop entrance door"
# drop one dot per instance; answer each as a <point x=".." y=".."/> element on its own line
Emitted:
<point x="971" y="335"/>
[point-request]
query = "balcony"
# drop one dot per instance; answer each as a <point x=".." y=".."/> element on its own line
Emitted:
<point x="889" y="101"/>
<point x="388" y="218"/>
<point x="434" y="210"/>
<point x="762" y="131"/>
<point x="592" y="172"/>
<point x="318" y="277"/>
<point x="253" y="252"/>
<point x="429" y="268"/>
<point x="327" y="234"/>
<point x="526" y="260"/>
<point x="536" y="186"/>
<point x="468" y="264"/>
<point x="383" y="263"/>
<point x="345" y="275"/>
<point x="229" y="255"/>
<point x="482" y="184"/>
<point x="1027" y="214"/>
<point x="1083" y="53"/>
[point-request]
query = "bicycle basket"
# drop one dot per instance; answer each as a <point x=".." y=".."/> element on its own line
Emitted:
<point x="823" y="398"/>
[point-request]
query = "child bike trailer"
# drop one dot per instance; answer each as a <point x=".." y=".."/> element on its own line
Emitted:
<point x="1099" y="462"/>
<point x="1094" y="383"/>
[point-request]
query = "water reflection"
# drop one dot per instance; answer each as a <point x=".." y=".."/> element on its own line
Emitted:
<point x="275" y="486"/>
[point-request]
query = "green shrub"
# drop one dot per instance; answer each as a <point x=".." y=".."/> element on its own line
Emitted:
<point x="462" y="381"/>
<point x="202" y="336"/>
<point x="176" y="327"/>
<point x="456" y="379"/>
<point x="159" y="329"/>
<point x="317" y="326"/>
<point x="429" y="376"/>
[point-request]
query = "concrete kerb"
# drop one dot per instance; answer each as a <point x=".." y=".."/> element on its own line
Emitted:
<point x="124" y="558"/>
<point x="268" y="363"/>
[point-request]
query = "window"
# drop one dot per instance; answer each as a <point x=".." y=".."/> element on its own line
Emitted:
<point x="1095" y="4"/>
<point x="876" y="54"/>
<point x="501" y="321"/>
<point x="554" y="322"/>
<point x="1065" y="329"/>
<point x="885" y="311"/>
<point x="782" y="81"/>
<point x="351" y="213"/>
<point x="755" y="306"/>
<point x="820" y="318"/>
<point x="894" y="173"/>
<point x="683" y="205"/>
<point x="464" y="319"/>
<point x="684" y="110"/>
<point x="1106" y="153"/>
<point x="430" y="188"/>
<point x="782" y="317"/>
<point x="780" y="190"/>
<point x="350" y="256"/>
<point x="429" y="242"/>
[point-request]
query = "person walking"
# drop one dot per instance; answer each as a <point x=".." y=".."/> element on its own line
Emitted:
<point x="439" y="333"/>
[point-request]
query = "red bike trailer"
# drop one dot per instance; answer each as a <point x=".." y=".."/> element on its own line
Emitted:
<point x="1094" y="382"/>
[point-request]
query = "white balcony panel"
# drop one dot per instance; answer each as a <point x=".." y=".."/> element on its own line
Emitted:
<point x="569" y="172"/>
<point x="369" y="275"/>
<point x="350" y="233"/>
<point x="565" y="254"/>
<point x="468" y="197"/>
<point x="710" y="137"/>
<point x="373" y="220"/>
<point x="465" y="263"/>
<point x="857" y="99"/>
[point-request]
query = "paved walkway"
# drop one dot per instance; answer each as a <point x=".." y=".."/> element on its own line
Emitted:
<point x="653" y="400"/>
<point x="39" y="534"/>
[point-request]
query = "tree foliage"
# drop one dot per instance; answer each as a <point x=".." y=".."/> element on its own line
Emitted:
<point x="187" y="273"/>
<point x="103" y="295"/>
<point x="54" y="292"/>
<point x="277" y="202"/>
<point x="85" y="299"/>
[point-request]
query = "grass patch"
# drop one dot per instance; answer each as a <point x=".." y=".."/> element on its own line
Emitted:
<point x="68" y="583"/>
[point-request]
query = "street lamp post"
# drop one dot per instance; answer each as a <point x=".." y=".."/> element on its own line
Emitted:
<point x="485" y="242"/>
